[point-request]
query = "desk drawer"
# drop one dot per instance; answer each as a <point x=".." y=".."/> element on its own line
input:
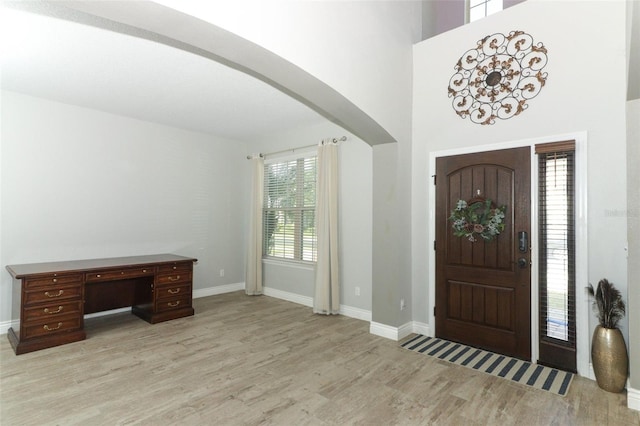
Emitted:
<point x="176" y="267"/>
<point x="52" y="311"/>
<point x="54" y="326"/>
<point x="52" y="294"/>
<point x="173" y="291"/>
<point x="52" y="280"/>
<point x="177" y="277"/>
<point x="183" y="301"/>
<point x="119" y="274"/>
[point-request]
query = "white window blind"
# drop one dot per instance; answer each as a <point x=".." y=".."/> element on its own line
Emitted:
<point x="557" y="299"/>
<point x="289" y="209"/>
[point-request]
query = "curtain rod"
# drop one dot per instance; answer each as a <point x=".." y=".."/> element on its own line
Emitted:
<point x="334" y="140"/>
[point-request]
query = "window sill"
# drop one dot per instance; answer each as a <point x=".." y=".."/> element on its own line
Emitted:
<point x="297" y="264"/>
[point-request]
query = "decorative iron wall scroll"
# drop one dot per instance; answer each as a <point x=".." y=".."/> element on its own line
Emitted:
<point x="498" y="77"/>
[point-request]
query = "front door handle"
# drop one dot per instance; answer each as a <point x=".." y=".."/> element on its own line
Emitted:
<point x="522" y="263"/>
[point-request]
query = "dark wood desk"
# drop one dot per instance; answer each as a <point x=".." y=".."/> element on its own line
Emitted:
<point x="52" y="298"/>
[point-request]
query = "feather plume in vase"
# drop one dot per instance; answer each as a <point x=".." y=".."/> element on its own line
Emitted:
<point x="608" y="303"/>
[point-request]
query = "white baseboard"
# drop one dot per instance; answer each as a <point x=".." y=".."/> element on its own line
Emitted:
<point x="590" y="374"/>
<point x="219" y="289"/>
<point x="421" y="328"/>
<point x="357" y="313"/>
<point x="398" y="333"/>
<point x="290" y="297"/>
<point x="383" y="330"/>
<point x="347" y="311"/>
<point x="5" y="325"/>
<point x="633" y="398"/>
<point x="405" y="330"/>
<point x="105" y="313"/>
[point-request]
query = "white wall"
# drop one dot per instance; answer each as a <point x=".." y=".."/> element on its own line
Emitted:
<point x="362" y="49"/>
<point x="585" y="91"/>
<point x="633" y="237"/>
<point x="354" y="215"/>
<point x="387" y="253"/>
<point x="79" y="183"/>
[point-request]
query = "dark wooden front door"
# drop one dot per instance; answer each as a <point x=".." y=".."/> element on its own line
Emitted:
<point x="483" y="288"/>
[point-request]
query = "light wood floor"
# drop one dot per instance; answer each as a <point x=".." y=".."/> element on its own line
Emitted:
<point x="258" y="360"/>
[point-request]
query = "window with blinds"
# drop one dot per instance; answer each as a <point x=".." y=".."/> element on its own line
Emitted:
<point x="477" y="9"/>
<point x="289" y="209"/>
<point x="556" y="221"/>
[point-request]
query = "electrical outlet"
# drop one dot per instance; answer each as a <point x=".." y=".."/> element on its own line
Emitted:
<point x="357" y="291"/>
<point x="222" y="272"/>
<point x="402" y="304"/>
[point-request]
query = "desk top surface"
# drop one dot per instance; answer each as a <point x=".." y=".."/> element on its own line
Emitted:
<point x="20" y="271"/>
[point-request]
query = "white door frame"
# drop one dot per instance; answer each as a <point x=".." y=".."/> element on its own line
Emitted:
<point x="582" y="301"/>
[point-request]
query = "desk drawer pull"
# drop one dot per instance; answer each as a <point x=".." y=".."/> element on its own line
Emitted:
<point x="172" y="291"/>
<point x="46" y="293"/>
<point x="47" y="311"/>
<point x="174" y="279"/>
<point x="46" y="327"/>
<point x="173" y="305"/>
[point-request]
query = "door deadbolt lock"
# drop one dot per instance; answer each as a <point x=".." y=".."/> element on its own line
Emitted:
<point x="523" y="242"/>
<point x="522" y="263"/>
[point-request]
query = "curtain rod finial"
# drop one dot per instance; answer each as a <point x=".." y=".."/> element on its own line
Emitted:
<point x="336" y="140"/>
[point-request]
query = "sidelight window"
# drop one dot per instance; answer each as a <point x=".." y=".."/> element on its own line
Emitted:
<point x="289" y="209"/>
<point x="556" y="201"/>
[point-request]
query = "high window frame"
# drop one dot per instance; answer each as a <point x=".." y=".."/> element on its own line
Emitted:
<point x="289" y="228"/>
<point x="478" y="9"/>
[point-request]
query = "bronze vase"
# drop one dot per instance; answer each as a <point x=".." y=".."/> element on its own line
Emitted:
<point x="609" y="358"/>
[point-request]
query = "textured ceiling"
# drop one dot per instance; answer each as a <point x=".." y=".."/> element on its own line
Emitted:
<point x="95" y="68"/>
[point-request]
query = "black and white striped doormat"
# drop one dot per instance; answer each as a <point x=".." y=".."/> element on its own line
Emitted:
<point x="516" y="370"/>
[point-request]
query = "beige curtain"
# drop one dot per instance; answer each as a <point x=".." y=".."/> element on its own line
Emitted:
<point x="327" y="288"/>
<point x="253" y="274"/>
